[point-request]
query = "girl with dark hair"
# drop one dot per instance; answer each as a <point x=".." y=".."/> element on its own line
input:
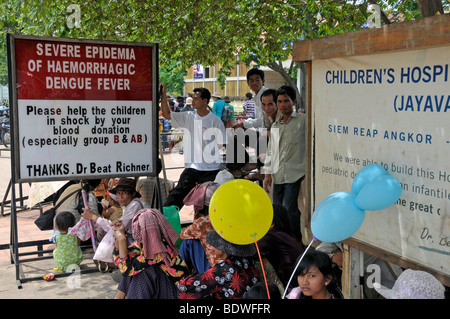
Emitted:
<point x="67" y="251"/>
<point x="315" y="278"/>
<point x="259" y="291"/>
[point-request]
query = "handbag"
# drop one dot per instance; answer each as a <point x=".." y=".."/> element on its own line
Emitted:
<point x="45" y="221"/>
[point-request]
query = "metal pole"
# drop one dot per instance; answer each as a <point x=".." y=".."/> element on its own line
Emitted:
<point x="159" y="148"/>
<point x="14" y="234"/>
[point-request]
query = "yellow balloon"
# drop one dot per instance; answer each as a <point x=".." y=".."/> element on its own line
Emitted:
<point x="241" y="211"/>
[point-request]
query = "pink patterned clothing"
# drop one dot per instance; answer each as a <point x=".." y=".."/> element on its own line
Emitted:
<point x="135" y="262"/>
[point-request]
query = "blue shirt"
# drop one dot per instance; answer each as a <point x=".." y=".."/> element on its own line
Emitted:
<point x="218" y="108"/>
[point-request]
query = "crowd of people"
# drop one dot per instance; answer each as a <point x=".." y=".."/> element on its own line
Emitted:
<point x="147" y="253"/>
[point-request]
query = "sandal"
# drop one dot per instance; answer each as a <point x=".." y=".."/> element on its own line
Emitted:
<point x="56" y="269"/>
<point x="100" y="267"/>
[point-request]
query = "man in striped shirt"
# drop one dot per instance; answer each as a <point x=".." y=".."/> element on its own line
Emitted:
<point x="249" y="106"/>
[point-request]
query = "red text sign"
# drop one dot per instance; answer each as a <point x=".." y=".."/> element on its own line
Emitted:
<point x="50" y="70"/>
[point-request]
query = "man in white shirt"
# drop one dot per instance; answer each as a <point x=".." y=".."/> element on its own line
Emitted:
<point x="204" y="134"/>
<point x="255" y="80"/>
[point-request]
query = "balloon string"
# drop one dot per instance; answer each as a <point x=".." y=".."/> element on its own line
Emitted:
<point x="262" y="266"/>
<point x="293" y="272"/>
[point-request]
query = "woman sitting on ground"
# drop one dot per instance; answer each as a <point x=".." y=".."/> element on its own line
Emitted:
<point x="195" y="250"/>
<point x="150" y="265"/>
<point x="228" y="279"/>
<point x="128" y="197"/>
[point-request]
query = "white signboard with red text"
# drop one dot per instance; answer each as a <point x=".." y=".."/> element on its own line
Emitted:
<point x="83" y="108"/>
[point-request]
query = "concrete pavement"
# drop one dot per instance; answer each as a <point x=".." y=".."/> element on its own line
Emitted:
<point x="79" y="285"/>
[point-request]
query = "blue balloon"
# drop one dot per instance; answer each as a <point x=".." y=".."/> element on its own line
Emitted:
<point x="379" y="194"/>
<point x="337" y="217"/>
<point x="367" y="174"/>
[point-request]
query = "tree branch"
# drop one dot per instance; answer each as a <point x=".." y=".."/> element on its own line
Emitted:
<point x="383" y="15"/>
<point x="278" y="67"/>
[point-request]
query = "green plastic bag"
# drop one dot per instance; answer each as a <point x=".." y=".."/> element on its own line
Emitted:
<point x="172" y="213"/>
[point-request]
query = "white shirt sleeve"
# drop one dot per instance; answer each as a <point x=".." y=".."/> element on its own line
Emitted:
<point x="256" y="122"/>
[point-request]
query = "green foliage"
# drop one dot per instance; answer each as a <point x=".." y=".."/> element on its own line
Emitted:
<point x="200" y="31"/>
<point x="173" y="78"/>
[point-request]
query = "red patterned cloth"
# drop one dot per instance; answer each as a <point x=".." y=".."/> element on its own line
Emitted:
<point x="229" y="279"/>
<point x="198" y="230"/>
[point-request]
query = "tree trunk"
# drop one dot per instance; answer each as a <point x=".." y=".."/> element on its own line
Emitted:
<point x="430" y="7"/>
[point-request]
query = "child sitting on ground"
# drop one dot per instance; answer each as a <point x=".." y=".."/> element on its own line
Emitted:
<point x="67" y="251"/>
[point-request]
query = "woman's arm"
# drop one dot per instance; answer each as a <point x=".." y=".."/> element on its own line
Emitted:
<point x="89" y="214"/>
<point x="129" y="259"/>
<point x="121" y="238"/>
<point x="164" y="105"/>
<point x="104" y="223"/>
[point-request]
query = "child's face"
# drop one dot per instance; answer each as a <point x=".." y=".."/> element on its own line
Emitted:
<point x="110" y="200"/>
<point x="313" y="283"/>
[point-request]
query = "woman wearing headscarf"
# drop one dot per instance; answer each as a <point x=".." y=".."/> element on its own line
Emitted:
<point x="150" y="264"/>
<point x="195" y="250"/>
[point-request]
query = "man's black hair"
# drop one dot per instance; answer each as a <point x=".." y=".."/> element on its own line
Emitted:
<point x="255" y="71"/>
<point x="204" y="93"/>
<point x="287" y="90"/>
<point x="270" y="92"/>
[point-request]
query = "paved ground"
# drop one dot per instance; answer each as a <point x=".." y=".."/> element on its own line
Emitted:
<point x="80" y="285"/>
